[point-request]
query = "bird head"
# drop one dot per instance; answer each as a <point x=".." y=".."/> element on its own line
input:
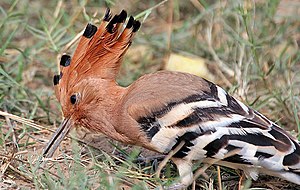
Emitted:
<point x="86" y="83"/>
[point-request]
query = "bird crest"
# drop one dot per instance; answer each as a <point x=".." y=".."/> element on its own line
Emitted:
<point x="98" y="54"/>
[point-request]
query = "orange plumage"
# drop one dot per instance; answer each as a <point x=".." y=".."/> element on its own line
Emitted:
<point x="161" y="110"/>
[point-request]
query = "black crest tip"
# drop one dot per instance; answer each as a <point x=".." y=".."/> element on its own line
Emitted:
<point x="110" y="25"/>
<point x="90" y="30"/>
<point x="130" y="22"/>
<point x="110" y="28"/>
<point x="56" y="79"/>
<point x="122" y="16"/>
<point x="136" y="25"/>
<point x="107" y="15"/>
<point x="65" y="60"/>
<point x="114" y="20"/>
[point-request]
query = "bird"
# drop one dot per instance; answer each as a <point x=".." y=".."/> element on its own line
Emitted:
<point x="162" y="110"/>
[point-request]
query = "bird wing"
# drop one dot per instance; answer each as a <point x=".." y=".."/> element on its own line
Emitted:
<point x="181" y="107"/>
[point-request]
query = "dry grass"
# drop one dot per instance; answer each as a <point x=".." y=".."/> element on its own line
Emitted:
<point x="251" y="47"/>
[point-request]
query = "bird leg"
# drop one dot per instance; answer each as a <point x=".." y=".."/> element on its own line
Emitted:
<point x="185" y="172"/>
<point x="242" y="177"/>
<point x="166" y="159"/>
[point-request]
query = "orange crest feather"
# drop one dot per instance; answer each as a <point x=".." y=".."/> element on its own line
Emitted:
<point x="99" y="52"/>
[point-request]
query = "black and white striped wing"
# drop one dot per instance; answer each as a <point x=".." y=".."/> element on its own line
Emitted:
<point x="212" y="124"/>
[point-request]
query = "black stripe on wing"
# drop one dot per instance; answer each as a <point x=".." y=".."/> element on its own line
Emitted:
<point x="283" y="142"/>
<point x="149" y="123"/>
<point x="235" y="158"/>
<point x="192" y="98"/>
<point x="294" y="157"/>
<point x="150" y="126"/>
<point x="280" y="142"/>
<point x="186" y="138"/>
<point x="262" y="155"/>
<point x="202" y="115"/>
<point x="205" y="95"/>
<point x="213" y="90"/>
<point x="213" y="147"/>
<point x="238" y="159"/>
<point x="234" y="105"/>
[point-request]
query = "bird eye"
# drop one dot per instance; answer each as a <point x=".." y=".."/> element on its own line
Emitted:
<point x="73" y="99"/>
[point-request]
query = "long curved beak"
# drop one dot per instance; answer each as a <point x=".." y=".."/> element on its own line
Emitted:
<point x="58" y="136"/>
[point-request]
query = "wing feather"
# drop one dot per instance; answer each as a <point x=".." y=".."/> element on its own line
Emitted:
<point x="212" y="123"/>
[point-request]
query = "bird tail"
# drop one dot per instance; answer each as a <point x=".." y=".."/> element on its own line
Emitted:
<point x="290" y="161"/>
<point x="291" y="176"/>
<point x="285" y="163"/>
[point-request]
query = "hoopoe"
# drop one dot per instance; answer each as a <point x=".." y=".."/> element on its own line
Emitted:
<point x="159" y="111"/>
